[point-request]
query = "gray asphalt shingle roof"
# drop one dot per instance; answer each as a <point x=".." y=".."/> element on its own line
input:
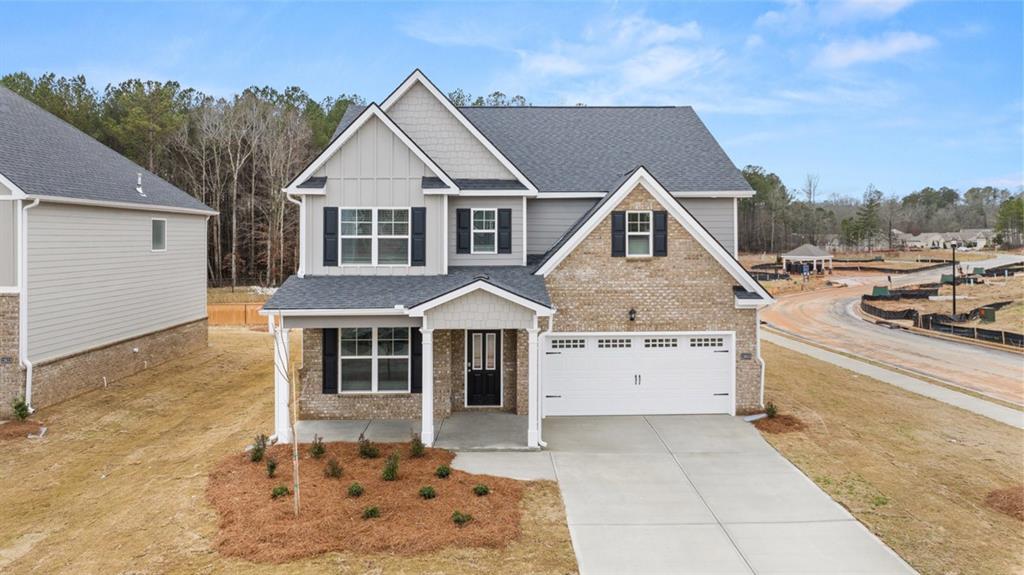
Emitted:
<point x="808" y="251"/>
<point x="45" y="156"/>
<point x="474" y="184"/>
<point x="386" y="292"/>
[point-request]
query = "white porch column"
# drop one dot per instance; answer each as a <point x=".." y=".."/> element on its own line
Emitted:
<point x="533" y="407"/>
<point x="427" y="417"/>
<point x="282" y="391"/>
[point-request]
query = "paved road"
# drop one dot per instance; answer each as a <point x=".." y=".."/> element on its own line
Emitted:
<point x="827" y="317"/>
<point x="689" y="494"/>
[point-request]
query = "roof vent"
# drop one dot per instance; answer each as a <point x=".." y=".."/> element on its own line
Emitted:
<point x="138" y="185"/>
<point x="481" y="277"/>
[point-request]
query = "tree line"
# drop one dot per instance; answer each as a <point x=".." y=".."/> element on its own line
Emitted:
<point x="778" y="218"/>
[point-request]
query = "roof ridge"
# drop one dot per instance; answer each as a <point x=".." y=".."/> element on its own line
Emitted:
<point x="627" y="107"/>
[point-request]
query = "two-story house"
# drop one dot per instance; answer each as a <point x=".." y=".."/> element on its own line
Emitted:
<point x="535" y="260"/>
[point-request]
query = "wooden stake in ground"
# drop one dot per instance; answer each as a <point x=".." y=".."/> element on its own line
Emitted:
<point x="295" y="435"/>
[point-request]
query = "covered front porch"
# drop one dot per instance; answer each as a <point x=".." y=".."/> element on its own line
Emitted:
<point x="460" y="431"/>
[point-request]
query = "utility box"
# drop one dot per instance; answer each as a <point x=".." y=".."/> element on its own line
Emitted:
<point x="946" y="279"/>
<point x="879" y="290"/>
<point x="979" y="271"/>
<point x="988" y="314"/>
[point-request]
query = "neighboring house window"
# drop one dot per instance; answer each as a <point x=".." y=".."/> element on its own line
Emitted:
<point x="393" y="237"/>
<point x="375" y="236"/>
<point x="485" y="232"/>
<point x="638" y="233"/>
<point x="374" y="359"/>
<point x="357" y="236"/>
<point x="158" y="242"/>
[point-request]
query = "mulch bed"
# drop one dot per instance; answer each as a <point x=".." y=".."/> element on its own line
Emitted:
<point x="19" y="429"/>
<point x="780" y="424"/>
<point x="257" y="528"/>
<point x="1009" y="501"/>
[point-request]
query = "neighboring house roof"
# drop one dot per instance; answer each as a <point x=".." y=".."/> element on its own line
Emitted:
<point x="386" y="292"/>
<point x="807" y="251"/>
<point x="45" y="156"/>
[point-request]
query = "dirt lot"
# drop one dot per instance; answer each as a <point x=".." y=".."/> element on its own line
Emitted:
<point x="915" y="471"/>
<point x="118" y="484"/>
<point x="993" y="290"/>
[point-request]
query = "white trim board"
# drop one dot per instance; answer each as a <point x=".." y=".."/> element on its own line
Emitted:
<point x="540" y="310"/>
<point x="656" y="190"/>
<point x="419" y="77"/>
<point x="679" y="195"/>
<point x="371" y="111"/>
<point x="16" y="192"/>
<point x="122" y="205"/>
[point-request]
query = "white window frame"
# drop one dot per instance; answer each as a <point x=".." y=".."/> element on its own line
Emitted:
<point x="473" y="231"/>
<point x="374" y="366"/>
<point x="649" y="233"/>
<point x="151" y="222"/>
<point x="375" y="237"/>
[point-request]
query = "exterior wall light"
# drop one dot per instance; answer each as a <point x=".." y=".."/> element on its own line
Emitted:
<point x="632" y="314"/>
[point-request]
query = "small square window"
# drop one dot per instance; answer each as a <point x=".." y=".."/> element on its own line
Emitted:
<point x="159" y="236"/>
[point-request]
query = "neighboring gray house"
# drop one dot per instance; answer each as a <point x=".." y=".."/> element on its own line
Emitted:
<point x="533" y="260"/>
<point x="102" y="264"/>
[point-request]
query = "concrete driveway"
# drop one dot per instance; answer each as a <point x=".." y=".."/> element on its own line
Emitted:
<point x="690" y="494"/>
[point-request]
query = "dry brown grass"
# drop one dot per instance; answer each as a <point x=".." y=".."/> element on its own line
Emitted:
<point x="241" y="294"/>
<point x="914" y="470"/>
<point x="118" y="483"/>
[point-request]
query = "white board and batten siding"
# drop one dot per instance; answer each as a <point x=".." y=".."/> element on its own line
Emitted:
<point x="515" y="258"/>
<point x="374" y="169"/>
<point x="93" y="278"/>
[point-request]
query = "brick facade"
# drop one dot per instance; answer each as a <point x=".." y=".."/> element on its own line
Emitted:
<point x="12" y="377"/>
<point x="686" y="291"/>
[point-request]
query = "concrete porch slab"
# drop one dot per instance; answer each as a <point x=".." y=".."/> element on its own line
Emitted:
<point x="482" y="431"/>
<point x="527" y="466"/>
<point x="330" y="430"/>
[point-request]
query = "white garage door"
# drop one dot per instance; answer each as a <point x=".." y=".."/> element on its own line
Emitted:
<point x="637" y="374"/>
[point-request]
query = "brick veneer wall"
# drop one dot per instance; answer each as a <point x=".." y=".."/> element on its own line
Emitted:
<point x="12" y="377"/>
<point x="686" y="291"/>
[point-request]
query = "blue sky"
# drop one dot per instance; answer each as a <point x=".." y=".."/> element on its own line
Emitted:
<point x="893" y="93"/>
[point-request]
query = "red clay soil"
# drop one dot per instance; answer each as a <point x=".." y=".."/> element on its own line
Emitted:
<point x="257" y="528"/>
<point x="1009" y="501"/>
<point x="19" y="429"/>
<point x="780" y="424"/>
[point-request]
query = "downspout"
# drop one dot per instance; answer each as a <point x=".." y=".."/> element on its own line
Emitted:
<point x="23" y="305"/>
<point x="302" y="233"/>
<point x="540" y="378"/>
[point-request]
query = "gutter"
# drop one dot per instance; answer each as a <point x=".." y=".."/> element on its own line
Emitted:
<point x="302" y="232"/>
<point x="23" y="305"/>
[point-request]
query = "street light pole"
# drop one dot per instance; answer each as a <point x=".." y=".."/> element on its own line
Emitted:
<point x="954" y="277"/>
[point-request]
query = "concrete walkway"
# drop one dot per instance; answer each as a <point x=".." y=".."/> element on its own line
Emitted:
<point x="689" y="494"/>
<point x="973" y="404"/>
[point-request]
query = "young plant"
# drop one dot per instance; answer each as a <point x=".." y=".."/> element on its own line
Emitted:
<point x="770" y="410"/>
<point x="367" y="450"/>
<point x="271" y="466"/>
<point x="333" y="469"/>
<point x="279" y="491"/>
<point x="427" y="492"/>
<point x="416" y="447"/>
<point x="371" y="512"/>
<point x="442" y="471"/>
<point x="459" y="518"/>
<point x="480" y="490"/>
<point x="390" y="472"/>
<point x="259" y="447"/>
<point x="317" y="449"/>
<point x="20" y="409"/>
<point x="355" y="490"/>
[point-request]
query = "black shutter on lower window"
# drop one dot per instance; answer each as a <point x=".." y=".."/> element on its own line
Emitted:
<point x="419" y="237"/>
<point x="504" y="231"/>
<point x="329" y="348"/>
<point x="462" y="231"/>
<point x="416" y="361"/>
<point x="330" y="236"/>
<point x="618" y="234"/>
<point x="660" y="234"/>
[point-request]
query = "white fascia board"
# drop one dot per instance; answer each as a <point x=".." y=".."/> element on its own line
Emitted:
<point x="122" y="205"/>
<point x="642" y="176"/>
<point x="419" y="310"/>
<point x="419" y="77"/>
<point x="371" y="111"/>
<point x="16" y="192"/>
<point x="333" y="312"/>
<point x="752" y="303"/>
<point x="502" y="193"/>
<point x="570" y="195"/>
<point x="305" y="191"/>
<point x="711" y="194"/>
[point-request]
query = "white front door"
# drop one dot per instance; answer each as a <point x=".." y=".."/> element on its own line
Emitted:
<point x="638" y="373"/>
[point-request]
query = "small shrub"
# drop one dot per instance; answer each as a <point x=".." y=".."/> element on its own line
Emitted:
<point x="271" y="466"/>
<point x="367" y="450"/>
<point x="317" y="449"/>
<point x="427" y="492"/>
<point x="442" y="471"/>
<point x="371" y="512"/>
<point x="770" y="410"/>
<point x="259" y="447"/>
<point x="279" y="491"/>
<point x="333" y="469"/>
<point x="459" y="518"/>
<point x="416" y="447"/>
<point x="390" y="472"/>
<point x="481" y="490"/>
<point x="355" y="490"/>
<point x="20" y="409"/>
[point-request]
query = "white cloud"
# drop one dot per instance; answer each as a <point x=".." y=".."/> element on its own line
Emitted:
<point x="841" y="54"/>
<point x="850" y="10"/>
<point x="551" y="64"/>
<point x="798" y="14"/>
<point x="642" y="31"/>
<point x="754" y="41"/>
<point x="663" y="64"/>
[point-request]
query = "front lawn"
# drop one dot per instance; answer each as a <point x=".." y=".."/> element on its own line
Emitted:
<point x="916" y="471"/>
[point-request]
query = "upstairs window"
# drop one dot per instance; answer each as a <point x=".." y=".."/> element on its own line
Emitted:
<point x="372" y="236"/>
<point x="357" y="236"/>
<point x="485" y="232"/>
<point x="158" y="235"/>
<point x="638" y="234"/>
<point x="393" y="237"/>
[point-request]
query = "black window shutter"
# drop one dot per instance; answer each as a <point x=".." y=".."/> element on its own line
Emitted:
<point x="419" y="236"/>
<point x="660" y="233"/>
<point x="462" y="231"/>
<point x="416" y="361"/>
<point x="504" y="231"/>
<point x="618" y="234"/>
<point x="330" y="236"/>
<point x="330" y="360"/>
